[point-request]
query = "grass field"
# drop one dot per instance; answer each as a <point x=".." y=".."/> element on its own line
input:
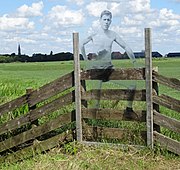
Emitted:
<point x="15" y="78"/>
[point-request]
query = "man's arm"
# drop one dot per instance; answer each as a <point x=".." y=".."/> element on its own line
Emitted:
<point x="128" y="50"/>
<point x="84" y="42"/>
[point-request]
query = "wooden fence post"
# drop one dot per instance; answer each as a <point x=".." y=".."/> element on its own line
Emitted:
<point x="77" y="86"/>
<point x="149" y="99"/>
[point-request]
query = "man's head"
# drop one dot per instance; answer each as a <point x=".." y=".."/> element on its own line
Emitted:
<point x="106" y="12"/>
<point x="105" y="19"/>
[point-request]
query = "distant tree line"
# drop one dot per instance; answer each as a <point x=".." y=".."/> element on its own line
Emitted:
<point x="38" y="57"/>
<point x="7" y="58"/>
<point x="65" y="56"/>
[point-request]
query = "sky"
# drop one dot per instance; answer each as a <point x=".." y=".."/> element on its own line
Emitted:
<point x="42" y="26"/>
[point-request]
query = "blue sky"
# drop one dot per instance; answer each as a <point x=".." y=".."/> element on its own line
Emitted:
<point x="44" y="26"/>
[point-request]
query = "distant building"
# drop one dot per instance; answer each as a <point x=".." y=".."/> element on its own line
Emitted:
<point x="116" y="55"/>
<point x="155" y="54"/>
<point x="177" y="54"/>
<point x="139" y="55"/>
<point x="92" y="56"/>
<point x="19" y="50"/>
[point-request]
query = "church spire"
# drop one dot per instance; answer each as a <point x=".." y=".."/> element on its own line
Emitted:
<point x="19" y="50"/>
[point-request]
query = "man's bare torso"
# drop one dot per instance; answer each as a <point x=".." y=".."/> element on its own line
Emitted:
<point x="102" y="47"/>
<point x="103" y="41"/>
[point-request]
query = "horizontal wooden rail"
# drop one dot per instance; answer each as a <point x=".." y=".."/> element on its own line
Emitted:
<point x="111" y="133"/>
<point x="168" y="143"/>
<point x="170" y="82"/>
<point x="113" y="145"/>
<point x="112" y="114"/>
<point x="36" y="148"/>
<point x="35" y="132"/>
<point x="170" y="99"/>
<point x="114" y="74"/>
<point x="51" y="89"/>
<point x="12" y="105"/>
<point x="167" y="101"/>
<point x="37" y="113"/>
<point x="115" y="94"/>
<point x="40" y="94"/>
<point x="166" y="122"/>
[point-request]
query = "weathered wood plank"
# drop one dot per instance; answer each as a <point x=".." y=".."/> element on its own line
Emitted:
<point x="148" y="74"/>
<point x="167" y="143"/>
<point x="111" y="133"/>
<point x="28" y="91"/>
<point x="167" y="122"/>
<point x="170" y="99"/>
<point x="170" y="82"/>
<point x="114" y="94"/>
<point x="113" y="145"/>
<point x="10" y="106"/>
<point x="37" y="113"/>
<point x="114" y="74"/>
<point x="112" y="114"/>
<point x="155" y="86"/>
<point x="83" y="89"/>
<point x="35" y="132"/>
<point x="36" y="148"/>
<point x="77" y="86"/>
<point x="167" y="101"/>
<point x="51" y="89"/>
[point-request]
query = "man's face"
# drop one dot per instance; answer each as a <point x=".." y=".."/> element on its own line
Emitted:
<point x="105" y="22"/>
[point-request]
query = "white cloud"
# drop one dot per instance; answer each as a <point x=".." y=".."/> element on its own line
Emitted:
<point x="131" y="22"/>
<point x="166" y="14"/>
<point x="32" y="11"/>
<point x="118" y="7"/>
<point x="61" y="16"/>
<point x="95" y="8"/>
<point x="124" y="31"/>
<point x="11" y="23"/>
<point x="20" y="39"/>
<point x="95" y="26"/>
<point x="131" y="17"/>
<point x="78" y="2"/>
<point x="139" y="5"/>
<point x="165" y="19"/>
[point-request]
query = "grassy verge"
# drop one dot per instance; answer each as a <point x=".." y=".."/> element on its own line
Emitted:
<point x="75" y="156"/>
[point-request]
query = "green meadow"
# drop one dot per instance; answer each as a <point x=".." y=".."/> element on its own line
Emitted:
<point x="15" y="78"/>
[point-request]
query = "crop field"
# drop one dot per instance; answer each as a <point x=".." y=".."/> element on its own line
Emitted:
<point x="15" y="78"/>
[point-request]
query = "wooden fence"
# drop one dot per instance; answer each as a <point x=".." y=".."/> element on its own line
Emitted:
<point x="162" y="119"/>
<point x="35" y="131"/>
<point x="154" y="120"/>
<point x="59" y="112"/>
